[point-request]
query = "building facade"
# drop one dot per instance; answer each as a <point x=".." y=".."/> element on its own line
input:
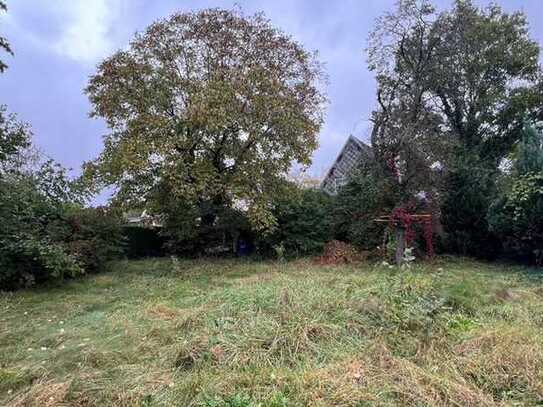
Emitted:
<point x="353" y="152"/>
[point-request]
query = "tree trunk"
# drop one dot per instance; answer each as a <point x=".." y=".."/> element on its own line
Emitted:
<point x="400" y="245"/>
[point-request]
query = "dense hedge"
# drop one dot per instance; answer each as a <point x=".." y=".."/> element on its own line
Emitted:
<point x="42" y="239"/>
<point x="304" y="224"/>
<point x="143" y="242"/>
<point x="368" y="195"/>
<point x="470" y="188"/>
<point x="516" y="216"/>
<point x="46" y="234"/>
<point x="93" y="236"/>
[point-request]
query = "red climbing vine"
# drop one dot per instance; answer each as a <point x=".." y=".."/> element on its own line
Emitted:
<point x="429" y="236"/>
<point x="402" y="217"/>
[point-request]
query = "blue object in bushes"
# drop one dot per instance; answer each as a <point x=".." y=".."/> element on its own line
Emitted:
<point x="243" y="248"/>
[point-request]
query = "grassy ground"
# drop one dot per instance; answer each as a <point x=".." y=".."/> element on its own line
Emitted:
<point x="234" y="333"/>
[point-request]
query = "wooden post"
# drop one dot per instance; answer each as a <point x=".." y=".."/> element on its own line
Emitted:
<point x="235" y="239"/>
<point x="400" y="245"/>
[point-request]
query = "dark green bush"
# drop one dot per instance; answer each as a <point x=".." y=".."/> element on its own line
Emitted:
<point x="43" y="239"/>
<point x="94" y="236"/>
<point x="368" y="195"/>
<point x="143" y="242"/>
<point x="46" y="234"/>
<point x="470" y="188"/>
<point x="517" y="218"/>
<point x="27" y="253"/>
<point x="304" y="224"/>
<point x="29" y="250"/>
<point x="190" y="230"/>
<point x="516" y="215"/>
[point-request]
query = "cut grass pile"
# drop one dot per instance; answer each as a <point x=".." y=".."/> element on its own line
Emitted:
<point x="239" y="333"/>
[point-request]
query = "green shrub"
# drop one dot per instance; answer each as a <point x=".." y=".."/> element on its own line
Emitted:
<point x="143" y="242"/>
<point x="368" y="194"/>
<point x="516" y="215"/>
<point x="190" y="230"/>
<point x="45" y="233"/>
<point x="470" y="187"/>
<point x="94" y="236"/>
<point x="48" y="236"/>
<point x="304" y="224"/>
<point x="29" y="251"/>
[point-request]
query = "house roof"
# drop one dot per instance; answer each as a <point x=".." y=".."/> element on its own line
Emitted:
<point x="350" y="140"/>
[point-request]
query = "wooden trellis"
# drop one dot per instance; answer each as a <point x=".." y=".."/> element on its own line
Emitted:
<point x="401" y="222"/>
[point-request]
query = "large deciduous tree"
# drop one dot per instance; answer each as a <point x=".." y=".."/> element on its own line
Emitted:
<point x="454" y="89"/>
<point x="4" y="44"/>
<point x="14" y="140"/>
<point x="467" y="75"/>
<point x="14" y="136"/>
<point x="207" y="107"/>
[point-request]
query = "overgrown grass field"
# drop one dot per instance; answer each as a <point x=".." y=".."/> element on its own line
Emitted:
<point x="238" y="333"/>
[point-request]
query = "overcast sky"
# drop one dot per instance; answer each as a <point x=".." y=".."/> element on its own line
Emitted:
<point x="57" y="44"/>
